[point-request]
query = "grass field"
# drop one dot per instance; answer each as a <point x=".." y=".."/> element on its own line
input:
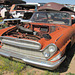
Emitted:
<point x="12" y="67"/>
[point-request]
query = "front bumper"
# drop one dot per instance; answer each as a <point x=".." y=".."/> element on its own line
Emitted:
<point x="45" y="64"/>
<point x="34" y="61"/>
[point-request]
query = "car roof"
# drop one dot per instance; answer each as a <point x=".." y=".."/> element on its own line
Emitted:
<point x="51" y="12"/>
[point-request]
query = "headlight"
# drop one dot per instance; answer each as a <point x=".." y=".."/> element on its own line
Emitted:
<point x="50" y="50"/>
<point x="46" y="53"/>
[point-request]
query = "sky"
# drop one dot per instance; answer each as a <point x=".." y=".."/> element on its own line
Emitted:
<point x="47" y="1"/>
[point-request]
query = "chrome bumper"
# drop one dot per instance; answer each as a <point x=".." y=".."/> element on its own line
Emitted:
<point x="34" y="61"/>
<point x="45" y="64"/>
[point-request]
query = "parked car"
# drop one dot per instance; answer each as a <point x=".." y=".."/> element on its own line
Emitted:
<point x="41" y="42"/>
<point x="23" y="10"/>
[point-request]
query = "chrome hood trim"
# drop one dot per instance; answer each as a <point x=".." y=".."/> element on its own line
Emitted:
<point x="9" y="20"/>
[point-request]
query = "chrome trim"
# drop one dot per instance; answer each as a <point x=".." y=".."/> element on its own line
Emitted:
<point x="25" y="21"/>
<point x="47" y="46"/>
<point x="39" y="63"/>
<point x="17" y="52"/>
<point x="45" y="64"/>
<point x="4" y="54"/>
<point x="58" y="38"/>
<point x="52" y="44"/>
<point x="9" y="20"/>
<point x="23" y="43"/>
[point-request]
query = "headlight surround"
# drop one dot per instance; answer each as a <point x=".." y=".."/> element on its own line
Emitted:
<point x="0" y="41"/>
<point x="56" y="57"/>
<point x="50" y="50"/>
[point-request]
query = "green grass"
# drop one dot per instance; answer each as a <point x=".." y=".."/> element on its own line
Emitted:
<point x="4" y="25"/>
<point x="1" y="73"/>
<point x="70" y="74"/>
<point x="11" y="66"/>
<point x="7" y="65"/>
<point x="1" y="19"/>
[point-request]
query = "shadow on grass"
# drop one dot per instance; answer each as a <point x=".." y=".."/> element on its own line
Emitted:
<point x="65" y="65"/>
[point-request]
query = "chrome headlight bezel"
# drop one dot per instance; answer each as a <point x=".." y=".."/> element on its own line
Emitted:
<point x="48" y="52"/>
<point x="53" y="47"/>
<point x="0" y="41"/>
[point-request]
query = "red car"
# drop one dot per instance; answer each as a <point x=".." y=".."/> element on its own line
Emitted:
<point x="42" y="41"/>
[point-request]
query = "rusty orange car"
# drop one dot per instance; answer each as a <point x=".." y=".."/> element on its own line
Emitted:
<point x="42" y="41"/>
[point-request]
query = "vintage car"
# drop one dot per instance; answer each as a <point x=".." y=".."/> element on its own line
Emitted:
<point x="42" y="41"/>
<point x="23" y="10"/>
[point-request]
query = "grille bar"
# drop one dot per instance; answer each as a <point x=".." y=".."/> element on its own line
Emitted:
<point x="10" y="50"/>
<point x="23" y="43"/>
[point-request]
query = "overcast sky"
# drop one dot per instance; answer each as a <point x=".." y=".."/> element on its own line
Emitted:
<point x="57" y="1"/>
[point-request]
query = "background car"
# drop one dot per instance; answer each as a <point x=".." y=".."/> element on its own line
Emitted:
<point x="21" y="10"/>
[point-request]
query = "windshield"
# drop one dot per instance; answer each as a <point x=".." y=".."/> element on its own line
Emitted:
<point x="51" y="17"/>
<point x="24" y="7"/>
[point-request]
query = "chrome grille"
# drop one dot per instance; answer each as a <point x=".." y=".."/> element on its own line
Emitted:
<point x="22" y="47"/>
<point x="23" y="43"/>
<point x="22" y="51"/>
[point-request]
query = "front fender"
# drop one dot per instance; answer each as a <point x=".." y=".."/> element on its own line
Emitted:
<point x="2" y="31"/>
